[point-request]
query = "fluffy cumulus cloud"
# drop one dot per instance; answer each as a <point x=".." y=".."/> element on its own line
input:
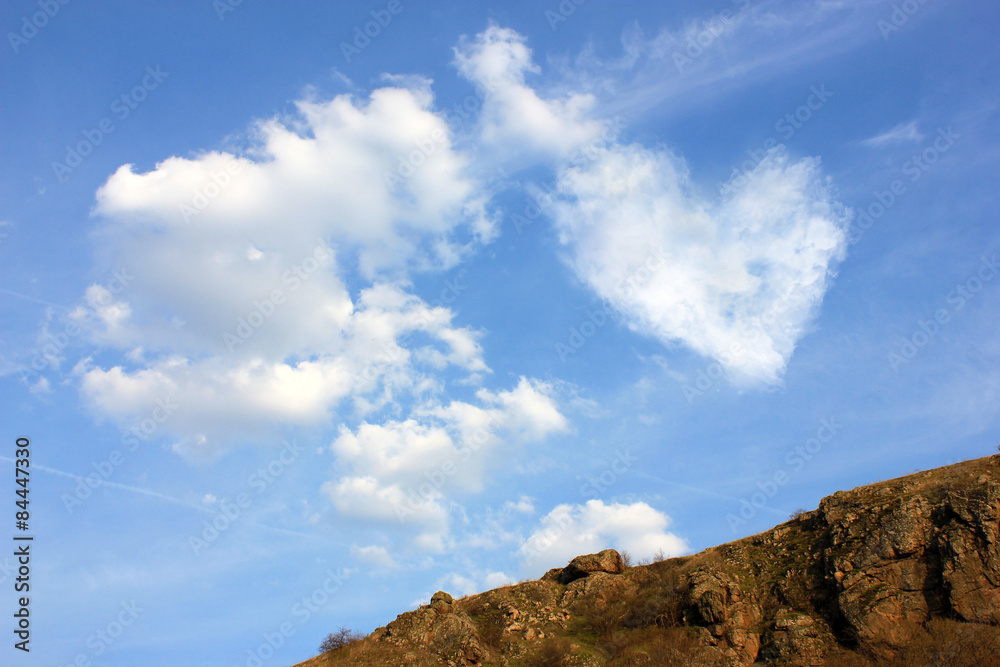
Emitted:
<point x="405" y="472"/>
<point x="469" y="582"/>
<point x="514" y="116"/>
<point x="375" y="555"/>
<point x="236" y="306"/>
<point x="571" y="530"/>
<point x="218" y="397"/>
<point x="736" y="280"/>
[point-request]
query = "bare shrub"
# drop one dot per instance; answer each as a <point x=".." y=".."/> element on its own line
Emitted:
<point x="340" y="639"/>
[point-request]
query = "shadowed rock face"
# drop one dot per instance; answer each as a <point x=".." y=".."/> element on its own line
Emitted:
<point x="865" y="571"/>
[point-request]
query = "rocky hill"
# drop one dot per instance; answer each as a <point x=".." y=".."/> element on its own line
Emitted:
<point x="904" y="572"/>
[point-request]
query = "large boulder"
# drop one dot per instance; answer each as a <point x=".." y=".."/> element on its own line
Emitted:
<point x="441" y="602"/>
<point x="609" y="561"/>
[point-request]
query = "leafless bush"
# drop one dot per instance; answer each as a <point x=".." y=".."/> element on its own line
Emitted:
<point x="340" y="639"/>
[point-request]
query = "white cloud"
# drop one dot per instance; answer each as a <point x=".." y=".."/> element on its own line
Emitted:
<point x="737" y="281"/>
<point x="461" y="585"/>
<point x="572" y="530"/>
<point x="330" y="174"/>
<point x="469" y="583"/>
<point x="375" y="555"/>
<point x="403" y="471"/>
<point x="40" y="387"/>
<point x="901" y="134"/>
<point x="497" y="579"/>
<point x="514" y="117"/>
<point x="523" y="505"/>
<point x="238" y="300"/>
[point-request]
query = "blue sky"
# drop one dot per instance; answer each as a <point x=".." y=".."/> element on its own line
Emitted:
<point x="443" y="305"/>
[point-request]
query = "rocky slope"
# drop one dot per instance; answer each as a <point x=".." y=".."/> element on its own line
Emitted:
<point x="901" y="572"/>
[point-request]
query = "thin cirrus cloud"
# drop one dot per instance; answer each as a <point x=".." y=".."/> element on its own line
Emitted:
<point x="698" y="63"/>
<point x="903" y="133"/>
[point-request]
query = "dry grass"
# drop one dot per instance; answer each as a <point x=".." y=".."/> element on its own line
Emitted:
<point x="552" y="652"/>
<point x="490" y="627"/>
<point x="946" y="643"/>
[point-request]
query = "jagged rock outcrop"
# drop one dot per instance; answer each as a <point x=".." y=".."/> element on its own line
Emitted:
<point x="608" y="561"/>
<point x="860" y="578"/>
